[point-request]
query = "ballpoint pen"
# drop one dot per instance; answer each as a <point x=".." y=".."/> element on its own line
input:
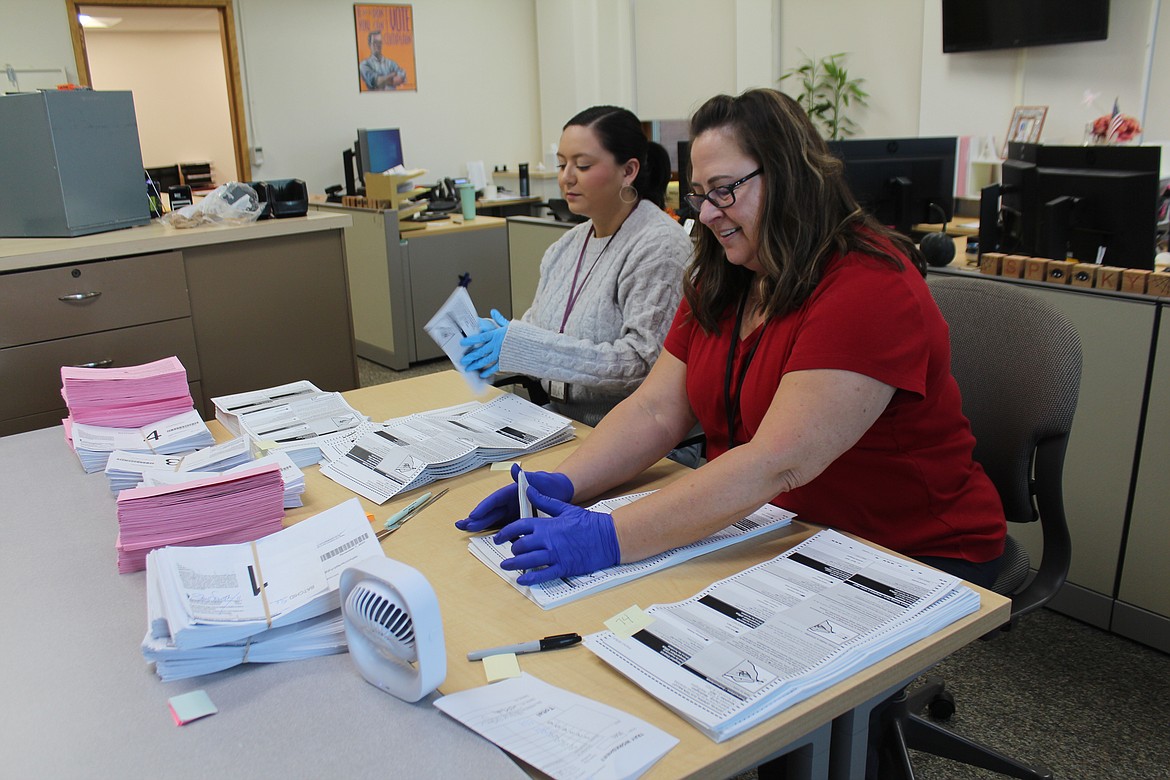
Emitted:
<point x="406" y="511"/>
<point x="413" y="508"/>
<point x="535" y="646"/>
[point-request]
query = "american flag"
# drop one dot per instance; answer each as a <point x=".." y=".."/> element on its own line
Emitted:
<point x="1115" y="120"/>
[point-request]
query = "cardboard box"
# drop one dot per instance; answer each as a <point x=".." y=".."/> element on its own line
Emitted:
<point x="1036" y="268"/>
<point x="1083" y="275"/>
<point x="1013" y="266"/>
<point x="1158" y="284"/>
<point x="1059" y="272"/>
<point x="1133" y="280"/>
<point x="1108" y="277"/>
<point x="990" y="263"/>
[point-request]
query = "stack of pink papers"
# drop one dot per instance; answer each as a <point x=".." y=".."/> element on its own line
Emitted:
<point x="221" y="509"/>
<point x="128" y="397"/>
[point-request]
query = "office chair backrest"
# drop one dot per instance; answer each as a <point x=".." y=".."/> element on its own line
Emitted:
<point x="1017" y="360"/>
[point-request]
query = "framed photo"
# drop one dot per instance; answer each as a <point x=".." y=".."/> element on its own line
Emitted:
<point x="1026" y="124"/>
<point x="385" y="48"/>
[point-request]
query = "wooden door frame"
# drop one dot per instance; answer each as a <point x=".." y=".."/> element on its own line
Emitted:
<point x="231" y="61"/>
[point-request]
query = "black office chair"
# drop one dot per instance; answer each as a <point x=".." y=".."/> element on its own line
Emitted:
<point x="1018" y="363"/>
<point x="531" y="386"/>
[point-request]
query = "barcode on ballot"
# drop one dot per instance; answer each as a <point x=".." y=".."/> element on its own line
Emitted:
<point x="747" y="524"/>
<point x="347" y="546"/>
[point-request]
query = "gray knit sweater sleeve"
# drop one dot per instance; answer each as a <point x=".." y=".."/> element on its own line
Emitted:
<point x="615" y="330"/>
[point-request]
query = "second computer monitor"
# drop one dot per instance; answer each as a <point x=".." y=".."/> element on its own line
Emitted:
<point x="379" y="150"/>
<point x="901" y="181"/>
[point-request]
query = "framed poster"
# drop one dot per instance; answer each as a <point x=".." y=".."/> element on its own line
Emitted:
<point x="385" y="48"/>
<point x="1026" y="124"/>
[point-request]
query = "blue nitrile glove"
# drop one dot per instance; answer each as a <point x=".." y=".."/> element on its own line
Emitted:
<point x="481" y="351"/>
<point x="571" y="541"/>
<point x="503" y="506"/>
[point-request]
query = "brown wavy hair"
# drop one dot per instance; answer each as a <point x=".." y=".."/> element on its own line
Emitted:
<point x="808" y="213"/>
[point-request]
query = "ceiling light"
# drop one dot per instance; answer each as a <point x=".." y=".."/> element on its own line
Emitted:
<point x="88" y="21"/>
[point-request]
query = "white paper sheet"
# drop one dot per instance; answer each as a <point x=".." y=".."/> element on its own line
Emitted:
<point x="567" y="736"/>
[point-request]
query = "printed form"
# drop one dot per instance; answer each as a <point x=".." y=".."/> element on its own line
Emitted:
<point x="564" y="735"/>
<point x="751" y="645"/>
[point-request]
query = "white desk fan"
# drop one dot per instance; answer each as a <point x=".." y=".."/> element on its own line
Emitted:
<point x="393" y="627"/>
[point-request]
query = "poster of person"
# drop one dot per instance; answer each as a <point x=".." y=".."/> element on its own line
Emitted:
<point x="385" y="47"/>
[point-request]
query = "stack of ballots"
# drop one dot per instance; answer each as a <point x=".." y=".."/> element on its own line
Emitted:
<point x="275" y="599"/>
<point x="292" y="477"/>
<point x="291" y="418"/>
<point x="408" y="452"/>
<point x="176" y="435"/>
<point x="127" y="397"/>
<point x="217" y="509"/>
<point x="126" y="469"/>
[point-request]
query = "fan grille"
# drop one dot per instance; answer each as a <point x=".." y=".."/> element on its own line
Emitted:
<point x="381" y="614"/>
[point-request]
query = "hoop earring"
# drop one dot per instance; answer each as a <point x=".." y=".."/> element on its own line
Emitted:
<point x="622" y="194"/>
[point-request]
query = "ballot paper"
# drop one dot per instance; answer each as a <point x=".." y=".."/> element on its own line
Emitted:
<point x="229" y="408"/>
<point x="563" y="734"/>
<point x="761" y="640"/>
<point x="180" y="434"/>
<point x="455" y="319"/>
<point x="406" y="453"/>
<point x="126" y="469"/>
<point x="212" y="509"/>
<point x="199" y="597"/>
<point x="290" y="418"/>
<point x="564" y="590"/>
<point x="292" y="477"/>
<point x="126" y="396"/>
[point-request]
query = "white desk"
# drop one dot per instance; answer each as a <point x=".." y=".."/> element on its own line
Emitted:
<point x="80" y="701"/>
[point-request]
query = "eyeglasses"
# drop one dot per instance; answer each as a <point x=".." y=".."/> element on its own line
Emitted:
<point x="720" y="197"/>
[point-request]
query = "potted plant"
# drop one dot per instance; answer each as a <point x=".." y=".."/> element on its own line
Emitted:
<point x="826" y="93"/>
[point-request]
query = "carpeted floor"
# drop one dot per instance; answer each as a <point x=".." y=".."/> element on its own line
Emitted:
<point x="1086" y="703"/>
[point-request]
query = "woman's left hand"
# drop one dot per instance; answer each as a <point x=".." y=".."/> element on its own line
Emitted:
<point x="570" y="541"/>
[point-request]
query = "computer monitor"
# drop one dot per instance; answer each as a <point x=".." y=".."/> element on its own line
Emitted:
<point x="375" y="150"/>
<point x="378" y="150"/>
<point x="1083" y="202"/>
<point x="901" y="181"/>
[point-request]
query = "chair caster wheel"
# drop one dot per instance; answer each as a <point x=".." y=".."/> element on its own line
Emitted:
<point x="942" y="706"/>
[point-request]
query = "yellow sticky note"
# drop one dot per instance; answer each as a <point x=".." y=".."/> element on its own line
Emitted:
<point x="503" y="465"/>
<point x="501" y="667"/>
<point x="629" y="621"/>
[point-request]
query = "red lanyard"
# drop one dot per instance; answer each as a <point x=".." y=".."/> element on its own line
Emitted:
<point x="574" y="291"/>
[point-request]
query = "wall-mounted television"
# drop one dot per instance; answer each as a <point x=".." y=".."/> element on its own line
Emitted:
<point x="979" y="25"/>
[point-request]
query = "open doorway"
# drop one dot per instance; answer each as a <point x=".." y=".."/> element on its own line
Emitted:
<point x="180" y="60"/>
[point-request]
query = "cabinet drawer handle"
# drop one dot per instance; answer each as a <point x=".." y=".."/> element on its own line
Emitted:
<point x="80" y="296"/>
<point x="97" y="364"/>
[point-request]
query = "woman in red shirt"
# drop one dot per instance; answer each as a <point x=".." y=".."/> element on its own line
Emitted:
<point x="811" y="352"/>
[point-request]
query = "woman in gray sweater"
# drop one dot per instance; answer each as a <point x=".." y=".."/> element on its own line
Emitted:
<point x="609" y="287"/>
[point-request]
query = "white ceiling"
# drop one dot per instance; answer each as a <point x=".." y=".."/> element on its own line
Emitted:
<point x="153" y="19"/>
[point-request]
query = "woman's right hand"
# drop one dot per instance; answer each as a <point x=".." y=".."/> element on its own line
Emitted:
<point x="503" y="506"/>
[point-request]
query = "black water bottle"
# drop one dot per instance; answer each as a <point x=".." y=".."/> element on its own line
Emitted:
<point x="523" y="180"/>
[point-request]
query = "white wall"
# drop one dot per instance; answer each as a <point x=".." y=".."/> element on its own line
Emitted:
<point x="974" y="93"/>
<point x="180" y="100"/>
<point x="498" y="79"/>
<point x="35" y="34"/>
<point x="477" y="87"/>
<point x="883" y="45"/>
